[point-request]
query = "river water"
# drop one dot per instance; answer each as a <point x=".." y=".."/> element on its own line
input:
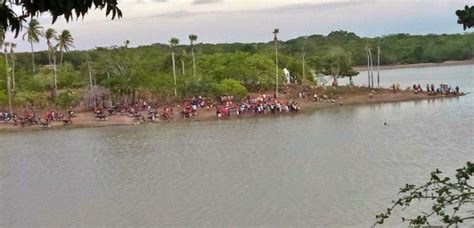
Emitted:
<point x="335" y="167"/>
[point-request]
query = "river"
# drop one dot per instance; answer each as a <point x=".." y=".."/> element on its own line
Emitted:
<point x="334" y="167"/>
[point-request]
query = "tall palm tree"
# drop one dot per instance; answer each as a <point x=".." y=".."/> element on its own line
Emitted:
<point x="368" y="65"/>
<point x="6" y="45"/>
<point x="49" y="35"/>
<point x="32" y="35"/>
<point x="173" y="43"/>
<point x="275" y="39"/>
<point x="65" y="42"/>
<point x="183" y="55"/>
<point x="13" y="59"/>
<point x="378" y="66"/>
<point x="192" y="39"/>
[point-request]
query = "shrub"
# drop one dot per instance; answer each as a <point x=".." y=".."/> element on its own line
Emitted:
<point x="230" y="87"/>
<point x="66" y="99"/>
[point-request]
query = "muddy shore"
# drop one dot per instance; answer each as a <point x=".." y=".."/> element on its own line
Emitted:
<point x="338" y="96"/>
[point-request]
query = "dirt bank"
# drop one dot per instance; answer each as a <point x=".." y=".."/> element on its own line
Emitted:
<point x="336" y="96"/>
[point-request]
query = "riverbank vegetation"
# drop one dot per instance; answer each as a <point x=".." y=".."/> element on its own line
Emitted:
<point x="169" y="72"/>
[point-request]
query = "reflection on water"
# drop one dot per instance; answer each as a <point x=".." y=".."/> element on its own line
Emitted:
<point x="336" y="167"/>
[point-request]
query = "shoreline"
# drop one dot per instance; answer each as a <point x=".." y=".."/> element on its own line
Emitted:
<point x="348" y="97"/>
<point x="418" y="65"/>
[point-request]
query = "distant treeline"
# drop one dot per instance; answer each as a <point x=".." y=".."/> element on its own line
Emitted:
<point x="147" y="70"/>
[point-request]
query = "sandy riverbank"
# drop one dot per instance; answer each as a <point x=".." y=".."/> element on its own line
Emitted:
<point x="340" y="96"/>
<point x="418" y="65"/>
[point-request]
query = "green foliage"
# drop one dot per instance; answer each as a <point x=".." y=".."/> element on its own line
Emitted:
<point x="9" y="19"/>
<point x="338" y="64"/>
<point x="31" y="98"/>
<point x="253" y="70"/>
<point x="67" y="98"/>
<point x="230" y="87"/>
<point x="452" y="200"/>
<point x="68" y="77"/>
<point x="466" y="17"/>
<point x="42" y="81"/>
<point x="3" y="98"/>
<point x="131" y="72"/>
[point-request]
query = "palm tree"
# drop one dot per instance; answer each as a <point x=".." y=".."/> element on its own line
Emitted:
<point x="275" y="39"/>
<point x="54" y="58"/>
<point x="49" y="35"/>
<point x="192" y="39"/>
<point x="6" y="45"/>
<point x="173" y="43"/>
<point x="65" y="41"/>
<point x="13" y="58"/>
<point x="368" y="65"/>
<point x="33" y="34"/>
<point x="378" y="66"/>
<point x="183" y="55"/>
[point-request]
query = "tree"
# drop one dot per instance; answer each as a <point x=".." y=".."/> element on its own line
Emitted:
<point x="192" y="39"/>
<point x="338" y="64"/>
<point x="65" y="41"/>
<point x="451" y="200"/>
<point x="275" y="40"/>
<point x="49" y="35"/>
<point x="173" y="43"/>
<point x="466" y="17"/>
<point x="33" y="34"/>
<point x="183" y="55"/>
<point x="10" y="20"/>
<point x="6" y="45"/>
<point x="13" y="59"/>
<point x="230" y="87"/>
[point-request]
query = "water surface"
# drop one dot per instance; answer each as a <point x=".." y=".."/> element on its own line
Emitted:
<point x="335" y="167"/>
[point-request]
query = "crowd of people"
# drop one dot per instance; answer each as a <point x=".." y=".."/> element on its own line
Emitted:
<point x="144" y="111"/>
<point x="30" y="118"/>
<point x="432" y="90"/>
<point x="261" y="104"/>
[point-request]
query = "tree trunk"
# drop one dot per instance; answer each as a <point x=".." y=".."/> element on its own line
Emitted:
<point x="378" y="66"/>
<point x="32" y="57"/>
<point x="61" y="62"/>
<point x="174" y="74"/>
<point x="13" y="73"/>
<point x="276" y="68"/>
<point x="49" y="53"/>
<point x="304" y="73"/>
<point x="368" y="67"/>
<point x="8" y="85"/>
<point x="371" y="69"/>
<point x="90" y="76"/>
<point x="182" y="66"/>
<point x="194" y="62"/>
<point x="55" y="77"/>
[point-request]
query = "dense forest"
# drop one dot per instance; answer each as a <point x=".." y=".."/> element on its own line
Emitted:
<point x="61" y="77"/>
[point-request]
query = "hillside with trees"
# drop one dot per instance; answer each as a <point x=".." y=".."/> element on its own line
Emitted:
<point x="187" y="67"/>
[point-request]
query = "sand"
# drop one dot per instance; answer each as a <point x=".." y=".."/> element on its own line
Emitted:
<point x="340" y="96"/>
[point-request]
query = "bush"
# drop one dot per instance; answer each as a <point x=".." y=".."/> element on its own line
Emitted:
<point x="66" y="99"/>
<point x="35" y="99"/>
<point x="230" y="87"/>
<point x="3" y="98"/>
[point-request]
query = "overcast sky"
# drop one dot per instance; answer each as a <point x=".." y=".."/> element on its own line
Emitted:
<point x="223" y="21"/>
